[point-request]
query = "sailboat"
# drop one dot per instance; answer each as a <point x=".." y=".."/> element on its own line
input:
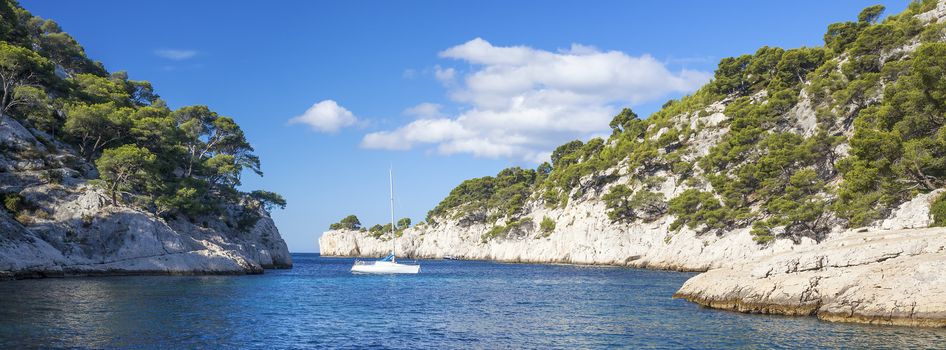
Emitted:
<point x="389" y="264"/>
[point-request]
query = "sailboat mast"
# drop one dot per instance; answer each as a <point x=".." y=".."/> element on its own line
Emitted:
<point x="393" y="230"/>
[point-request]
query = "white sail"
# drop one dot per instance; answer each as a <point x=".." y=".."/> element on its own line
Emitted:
<point x="389" y="264"/>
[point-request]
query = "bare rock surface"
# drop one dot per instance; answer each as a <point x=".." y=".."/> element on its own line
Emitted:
<point x="583" y="235"/>
<point x="72" y="228"/>
<point x="887" y="273"/>
<point x="879" y="277"/>
<point x="85" y="236"/>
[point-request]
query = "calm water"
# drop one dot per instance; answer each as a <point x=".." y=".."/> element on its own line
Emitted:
<point x="451" y="304"/>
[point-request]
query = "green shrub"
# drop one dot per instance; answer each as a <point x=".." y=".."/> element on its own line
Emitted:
<point x="42" y="214"/>
<point x="494" y="232"/>
<point x="403" y="223"/>
<point x="378" y="230"/>
<point x="694" y="208"/>
<point x="761" y="232"/>
<point x="618" y="202"/>
<point x="350" y="222"/>
<point x="938" y="210"/>
<point x="24" y="218"/>
<point x="13" y="202"/>
<point x="547" y="225"/>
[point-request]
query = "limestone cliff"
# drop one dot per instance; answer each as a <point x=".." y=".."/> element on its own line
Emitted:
<point x="583" y="235"/>
<point x="792" y="209"/>
<point x="71" y="227"/>
<point x="588" y="237"/>
<point x="879" y="277"/>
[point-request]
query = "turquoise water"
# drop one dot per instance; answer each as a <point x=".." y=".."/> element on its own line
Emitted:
<point x="451" y="304"/>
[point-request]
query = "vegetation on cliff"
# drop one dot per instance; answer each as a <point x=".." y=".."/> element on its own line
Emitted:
<point x="352" y="223"/>
<point x="185" y="162"/>
<point x="877" y="89"/>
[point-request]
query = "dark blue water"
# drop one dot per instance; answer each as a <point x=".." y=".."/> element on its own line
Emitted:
<point x="451" y="304"/>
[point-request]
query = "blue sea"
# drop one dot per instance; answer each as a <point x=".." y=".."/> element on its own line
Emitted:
<point x="449" y="305"/>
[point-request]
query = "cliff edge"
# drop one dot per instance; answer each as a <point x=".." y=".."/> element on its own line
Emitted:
<point x="67" y="227"/>
<point x="805" y="181"/>
<point x="890" y="277"/>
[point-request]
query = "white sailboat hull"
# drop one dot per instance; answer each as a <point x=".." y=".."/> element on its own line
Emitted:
<point x="384" y="267"/>
<point x="387" y="265"/>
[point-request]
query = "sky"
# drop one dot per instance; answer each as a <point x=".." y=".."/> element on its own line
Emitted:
<point x="334" y="93"/>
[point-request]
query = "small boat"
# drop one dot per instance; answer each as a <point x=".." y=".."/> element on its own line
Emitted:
<point x="389" y="264"/>
<point x="450" y="257"/>
<point x="384" y="266"/>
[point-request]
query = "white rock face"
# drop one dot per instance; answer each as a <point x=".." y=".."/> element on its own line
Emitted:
<point x="868" y="275"/>
<point x="583" y="232"/>
<point x="75" y="231"/>
<point x="912" y="214"/>
<point x="86" y="236"/>
<point x="806" y="120"/>
<point x="937" y="13"/>
<point x="881" y="277"/>
<point x="583" y="235"/>
<point x="885" y="273"/>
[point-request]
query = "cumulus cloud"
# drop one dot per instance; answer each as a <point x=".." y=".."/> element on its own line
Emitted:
<point x="425" y="110"/>
<point x="521" y="102"/>
<point x="444" y="75"/>
<point x="175" y="54"/>
<point x="326" y="116"/>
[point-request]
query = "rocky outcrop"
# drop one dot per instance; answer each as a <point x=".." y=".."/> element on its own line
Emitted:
<point x="887" y="274"/>
<point x="583" y="235"/>
<point x="85" y="236"/>
<point x="70" y="227"/>
<point x="884" y="273"/>
<point x="879" y="277"/>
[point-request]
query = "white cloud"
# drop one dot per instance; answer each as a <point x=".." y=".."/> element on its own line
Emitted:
<point x="521" y="102"/>
<point x="418" y="131"/>
<point x="326" y="116"/>
<point x="175" y="54"/>
<point x="425" y="110"/>
<point x="445" y="75"/>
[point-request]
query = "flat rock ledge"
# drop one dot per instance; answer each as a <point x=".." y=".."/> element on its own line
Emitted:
<point x="892" y="277"/>
<point x="200" y="262"/>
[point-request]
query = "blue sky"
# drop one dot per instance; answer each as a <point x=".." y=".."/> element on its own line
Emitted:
<point x="443" y="91"/>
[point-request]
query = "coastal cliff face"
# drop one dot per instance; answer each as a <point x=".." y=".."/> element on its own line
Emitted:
<point x="583" y="235"/>
<point x="781" y="191"/>
<point x="588" y="237"/>
<point x="71" y="227"/>
<point x="880" y="277"/>
<point x="98" y="176"/>
<point x="583" y="232"/>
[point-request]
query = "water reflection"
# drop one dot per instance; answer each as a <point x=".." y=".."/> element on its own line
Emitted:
<point x="450" y="305"/>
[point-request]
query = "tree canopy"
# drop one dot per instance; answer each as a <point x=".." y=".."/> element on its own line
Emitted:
<point x="186" y="162"/>
<point x="350" y="222"/>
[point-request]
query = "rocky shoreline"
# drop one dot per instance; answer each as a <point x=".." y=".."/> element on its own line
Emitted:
<point x="876" y="277"/>
<point x="585" y="236"/>
<point x="71" y="228"/>
<point x="885" y="274"/>
<point x="121" y="242"/>
<point x="880" y="277"/>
